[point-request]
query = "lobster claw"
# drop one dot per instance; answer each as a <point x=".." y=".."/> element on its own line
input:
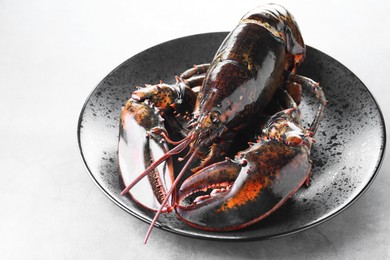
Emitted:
<point x="143" y="128"/>
<point x="138" y="119"/>
<point x="236" y="193"/>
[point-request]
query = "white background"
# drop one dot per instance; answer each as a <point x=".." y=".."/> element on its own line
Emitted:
<point x="52" y="55"/>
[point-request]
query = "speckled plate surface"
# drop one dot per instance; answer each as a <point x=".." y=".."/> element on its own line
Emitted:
<point x="346" y="158"/>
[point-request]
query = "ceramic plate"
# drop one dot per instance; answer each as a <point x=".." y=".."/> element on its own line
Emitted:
<point x="346" y="157"/>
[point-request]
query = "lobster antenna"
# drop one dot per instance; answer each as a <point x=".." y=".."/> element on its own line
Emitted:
<point x="317" y="119"/>
<point x="169" y="193"/>
<point x="166" y="137"/>
<point x="179" y="148"/>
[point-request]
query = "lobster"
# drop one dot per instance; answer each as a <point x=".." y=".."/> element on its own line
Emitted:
<point x="209" y="112"/>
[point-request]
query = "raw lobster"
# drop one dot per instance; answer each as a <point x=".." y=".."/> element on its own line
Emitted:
<point x="256" y="60"/>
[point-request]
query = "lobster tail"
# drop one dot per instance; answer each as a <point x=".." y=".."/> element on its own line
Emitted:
<point x="281" y="23"/>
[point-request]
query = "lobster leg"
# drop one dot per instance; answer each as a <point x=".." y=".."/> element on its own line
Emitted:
<point x="194" y="77"/>
<point x="295" y="91"/>
<point x="196" y="70"/>
<point x="319" y="93"/>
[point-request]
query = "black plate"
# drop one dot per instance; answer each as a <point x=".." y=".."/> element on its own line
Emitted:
<point x="347" y="155"/>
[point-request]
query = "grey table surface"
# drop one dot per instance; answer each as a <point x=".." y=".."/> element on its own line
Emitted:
<point x="53" y="54"/>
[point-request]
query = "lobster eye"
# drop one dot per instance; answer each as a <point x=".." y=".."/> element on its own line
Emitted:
<point x="294" y="140"/>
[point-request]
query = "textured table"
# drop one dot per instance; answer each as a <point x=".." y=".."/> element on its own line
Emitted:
<point x="52" y="55"/>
